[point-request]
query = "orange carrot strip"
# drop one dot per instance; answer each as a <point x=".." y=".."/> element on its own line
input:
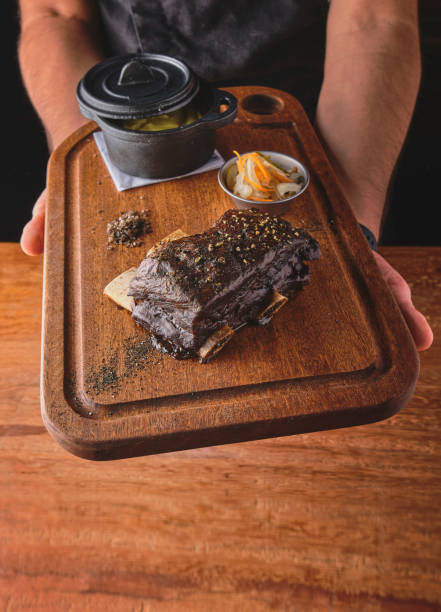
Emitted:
<point x="261" y="167"/>
<point x="261" y="178"/>
<point x="280" y="177"/>
<point x="258" y="174"/>
<point x="256" y="185"/>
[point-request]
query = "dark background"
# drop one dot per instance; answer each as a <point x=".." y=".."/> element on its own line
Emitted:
<point x="415" y="193"/>
<point x="23" y="167"/>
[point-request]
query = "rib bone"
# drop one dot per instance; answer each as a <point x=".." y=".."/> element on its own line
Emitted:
<point x="117" y="289"/>
<point x="278" y="300"/>
<point x="215" y="343"/>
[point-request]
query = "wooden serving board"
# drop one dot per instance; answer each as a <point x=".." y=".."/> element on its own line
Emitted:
<point x="338" y="354"/>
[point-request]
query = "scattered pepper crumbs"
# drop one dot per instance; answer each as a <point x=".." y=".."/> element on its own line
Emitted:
<point x="138" y="355"/>
<point x="105" y="377"/>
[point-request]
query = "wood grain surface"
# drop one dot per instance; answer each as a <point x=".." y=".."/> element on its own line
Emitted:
<point x="338" y="354"/>
<point x="342" y="520"/>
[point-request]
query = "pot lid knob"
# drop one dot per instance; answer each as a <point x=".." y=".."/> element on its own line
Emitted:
<point x="135" y="72"/>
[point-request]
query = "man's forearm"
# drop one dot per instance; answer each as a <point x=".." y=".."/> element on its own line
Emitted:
<point x="55" y="50"/>
<point x="372" y="75"/>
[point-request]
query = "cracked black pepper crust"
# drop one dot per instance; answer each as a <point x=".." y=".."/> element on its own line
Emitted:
<point x="189" y="288"/>
<point x="203" y="264"/>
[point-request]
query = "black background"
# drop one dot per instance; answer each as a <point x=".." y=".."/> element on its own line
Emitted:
<point x="415" y="194"/>
<point x="25" y="155"/>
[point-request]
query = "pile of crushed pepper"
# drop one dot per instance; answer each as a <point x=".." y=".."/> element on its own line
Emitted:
<point x="128" y="229"/>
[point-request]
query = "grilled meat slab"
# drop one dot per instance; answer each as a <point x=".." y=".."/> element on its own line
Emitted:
<point x="191" y="287"/>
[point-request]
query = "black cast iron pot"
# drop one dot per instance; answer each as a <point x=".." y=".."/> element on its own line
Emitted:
<point x="148" y="85"/>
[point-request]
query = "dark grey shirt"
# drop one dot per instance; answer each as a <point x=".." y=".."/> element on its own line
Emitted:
<point x="278" y="43"/>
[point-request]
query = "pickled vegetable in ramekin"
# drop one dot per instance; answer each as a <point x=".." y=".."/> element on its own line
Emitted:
<point x="255" y="177"/>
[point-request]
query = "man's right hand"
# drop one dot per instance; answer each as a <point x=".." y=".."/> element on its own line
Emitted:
<point x="32" y="238"/>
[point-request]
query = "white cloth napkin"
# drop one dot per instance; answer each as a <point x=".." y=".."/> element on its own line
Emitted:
<point x="126" y="181"/>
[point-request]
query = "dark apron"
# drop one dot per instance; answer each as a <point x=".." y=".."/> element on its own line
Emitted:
<point x="277" y="43"/>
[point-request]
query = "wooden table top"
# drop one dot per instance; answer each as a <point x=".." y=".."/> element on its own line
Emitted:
<point x="335" y="520"/>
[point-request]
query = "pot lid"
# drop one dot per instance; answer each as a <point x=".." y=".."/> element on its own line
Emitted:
<point x="136" y="85"/>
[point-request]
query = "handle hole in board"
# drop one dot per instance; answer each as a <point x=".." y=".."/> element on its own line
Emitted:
<point x="262" y="104"/>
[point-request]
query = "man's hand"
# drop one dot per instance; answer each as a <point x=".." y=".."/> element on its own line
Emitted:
<point x="416" y="321"/>
<point x="32" y="238"/>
